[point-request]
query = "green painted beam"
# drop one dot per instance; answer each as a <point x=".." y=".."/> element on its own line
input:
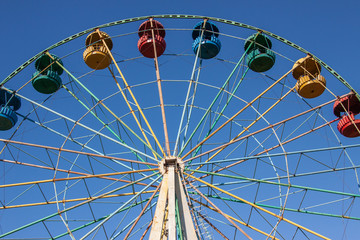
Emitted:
<point x="281" y="208"/>
<point x="70" y="208"/>
<point x="278" y="184"/>
<point x="99" y="219"/>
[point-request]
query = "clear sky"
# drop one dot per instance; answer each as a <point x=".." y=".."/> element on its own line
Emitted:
<point x="327" y="29"/>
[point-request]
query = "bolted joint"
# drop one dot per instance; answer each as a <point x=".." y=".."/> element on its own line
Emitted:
<point x="170" y="161"/>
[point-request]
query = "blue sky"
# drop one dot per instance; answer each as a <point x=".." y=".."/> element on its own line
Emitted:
<point x="322" y="27"/>
<point x="328" y="29"/>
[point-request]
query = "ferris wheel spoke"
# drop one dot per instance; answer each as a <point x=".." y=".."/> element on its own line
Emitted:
<point x="75" y="199"/>
<point x="100" y="102"/>
<point x="99" y="219"/>
<point x="222" y="110"/>
<point x="332" y="170"/>
<point x="212" y="225"/>
<point x="146" y="226"/>
<point x="259" y="131"/>
<point x="161" y="98"/>
<point x="301" y="209"/>
<point x="259" y="208"/>
<point x="188" y="95"/>
<point x="156" y="155"/>
<point x="252" y="148"/>
<point x="247" y="128"/>
<point x="65" y="171"/>
<point x="75" y="152"/>
<point x="230" y="97"/>
<point x="141" y="213"/>
<point x="211" y="105"/>
<point x="59" y="212"/>
<point x="146" y="230"/>
<point x="131" y="93"/>
<point x="269" y="149"/>
<point x="76" y="178"/>
<point x="114" y="159"/>
<point x="24" y="117"/>
<point x="186" y="105"/>
<point x="258" y="156"/>
<point x="233" y="218"/>
<point x="106" y="125"/>
<point x="316" y="213"/>
<point x="305" y="188"/>
<point x="133" y="221"/>
<point x="235" y="115"/>
<point x="87" y="128"/>
<point x="301" y="135"/>
<point x="219" y="211"/>
<point x="121" y="207"/>
<point x="49" y="200"/>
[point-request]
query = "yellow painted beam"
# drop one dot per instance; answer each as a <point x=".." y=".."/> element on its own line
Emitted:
<point x="237" y="220"/>
<point x="243" y="109"/>
<point x="71" y="200"/>
<point x="75" y="178"/>
<point x="133" y="97"/>
<point x="75" y="152"/>
<point x="247" y="128"/>
<point x="257" y="207"/>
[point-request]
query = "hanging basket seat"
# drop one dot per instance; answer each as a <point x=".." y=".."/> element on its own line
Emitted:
<point x="97" y="56"/>
<point x="46" y="82"/>
<point x="96" y="38"/>
<point x="257" y="41"/>
<point x="259" y="57"/>
<point x="8" y="99"/>
<point x="260" y="60"/>
<point x="146" y="46"/>
<point x="44" y="61"/>
<point x="145" y="29"/>
<point x="349" y="103"/>
<point x="210" y="29"/>
<point x="306" y="67"/>
<point x="209" y="48"/>
<point x="8" y="118"/>
<point x="349" y="126"/>
<point x="9" y="103"/>
<point x="310" y="88"/>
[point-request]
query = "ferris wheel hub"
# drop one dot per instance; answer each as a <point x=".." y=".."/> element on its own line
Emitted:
<point x="171" y="161"/>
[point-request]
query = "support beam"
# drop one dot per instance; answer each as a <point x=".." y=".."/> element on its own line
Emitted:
<point x="281" y="218"/>
<point x="187" y="225"/>
<point x="161" y="98"/>
<point x="172" y="217"/>
<point x="158" y="219"/>
<point x="171" y="204"/>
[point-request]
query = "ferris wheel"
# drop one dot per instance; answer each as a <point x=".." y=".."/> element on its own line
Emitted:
<point x="178" y="127"/>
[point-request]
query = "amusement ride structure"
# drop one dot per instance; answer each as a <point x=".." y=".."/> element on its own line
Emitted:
<point x="178" y="127"/>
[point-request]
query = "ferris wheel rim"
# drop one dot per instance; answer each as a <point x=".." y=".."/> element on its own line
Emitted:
<point x="155" y="16"/>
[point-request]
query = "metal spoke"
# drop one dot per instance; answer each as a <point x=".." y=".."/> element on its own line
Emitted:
<point x="251" y="155"/>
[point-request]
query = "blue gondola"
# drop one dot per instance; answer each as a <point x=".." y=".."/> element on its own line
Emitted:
<point x="9" y="103"/>
<point x="206" y="40"/>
